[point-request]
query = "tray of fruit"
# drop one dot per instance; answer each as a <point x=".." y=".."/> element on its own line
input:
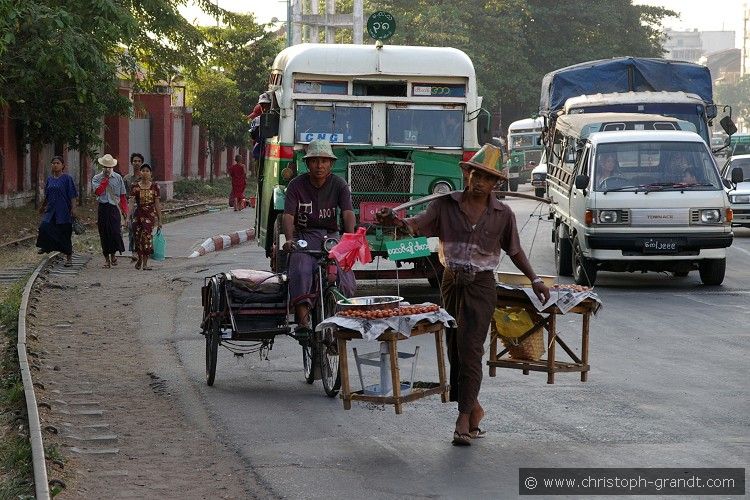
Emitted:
<point x="403" y="310"/>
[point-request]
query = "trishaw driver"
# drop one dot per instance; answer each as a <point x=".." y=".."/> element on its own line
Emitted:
<point x="311" y="210"/>
<point x="473" y="228"/>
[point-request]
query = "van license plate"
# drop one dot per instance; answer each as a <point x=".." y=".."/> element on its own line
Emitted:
<point x="659" y="246"/>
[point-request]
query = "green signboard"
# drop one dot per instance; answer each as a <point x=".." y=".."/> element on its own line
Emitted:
<point x="381" y="25"/>
<point x="407" y="249"/>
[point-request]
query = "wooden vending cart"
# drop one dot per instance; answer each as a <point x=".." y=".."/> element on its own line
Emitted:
<point x="547" y="319"/>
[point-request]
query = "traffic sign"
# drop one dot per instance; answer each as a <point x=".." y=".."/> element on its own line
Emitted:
<point x="381" y="25"/>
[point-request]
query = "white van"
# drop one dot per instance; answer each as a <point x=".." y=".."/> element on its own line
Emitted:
<point x="662" y="207"/>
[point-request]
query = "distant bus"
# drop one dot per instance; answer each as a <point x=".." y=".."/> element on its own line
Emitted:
<point x="399" y="118"/>
<point x="524" y="150"/>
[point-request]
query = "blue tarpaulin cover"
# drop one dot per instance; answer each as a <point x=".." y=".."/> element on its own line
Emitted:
<point x="623" y="74"/>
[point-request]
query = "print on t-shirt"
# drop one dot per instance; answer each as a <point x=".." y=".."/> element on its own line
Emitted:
<point x="304" y="210"/>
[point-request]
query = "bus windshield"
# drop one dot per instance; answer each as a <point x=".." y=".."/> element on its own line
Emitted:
<point x="425" y="126"/>
<point x="339" y="124"/>
<point x="523" y="141"/>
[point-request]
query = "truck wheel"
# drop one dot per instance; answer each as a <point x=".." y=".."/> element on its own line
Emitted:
<point x="584" y="269"/>
<point x="513" y="184"/>
<point x="563" y="255"/>
<point x="712" y="271"/>
<point x="539" y="192"/>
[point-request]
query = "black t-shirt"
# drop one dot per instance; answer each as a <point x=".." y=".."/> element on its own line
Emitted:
<point x="315" y="208"/>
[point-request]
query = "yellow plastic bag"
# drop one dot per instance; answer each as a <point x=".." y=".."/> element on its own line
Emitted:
<point x="512" y="322"/>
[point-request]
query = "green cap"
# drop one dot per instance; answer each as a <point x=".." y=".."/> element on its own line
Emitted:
<point x="489" y="159"/>
<point x="319" y="148"/>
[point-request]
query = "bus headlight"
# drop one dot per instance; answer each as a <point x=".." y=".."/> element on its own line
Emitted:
<point x="609" y="217"/>
<point x="711" y="216"/>
<point x="441" y="187"/>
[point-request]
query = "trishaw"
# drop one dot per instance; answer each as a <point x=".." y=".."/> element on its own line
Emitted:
<point x="245" y="310"/>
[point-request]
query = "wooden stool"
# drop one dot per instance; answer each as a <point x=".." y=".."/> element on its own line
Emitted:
<point x="392" y="337"/>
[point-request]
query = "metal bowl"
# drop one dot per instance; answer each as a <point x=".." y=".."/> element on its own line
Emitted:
<point x="369" y="303"/>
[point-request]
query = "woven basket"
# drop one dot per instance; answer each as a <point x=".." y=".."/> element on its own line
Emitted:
<point x="531" y="348"/>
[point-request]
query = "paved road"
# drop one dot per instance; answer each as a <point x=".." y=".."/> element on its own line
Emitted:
<point x="667" y="388"/>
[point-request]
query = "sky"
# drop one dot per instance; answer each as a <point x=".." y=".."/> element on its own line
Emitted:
<point x="704" y="15"/>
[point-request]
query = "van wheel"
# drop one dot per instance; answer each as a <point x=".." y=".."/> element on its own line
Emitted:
<point x="513" y="184"/>
<point x="584" y="269"/>
<point x="562" y="255"/>
<point x="539" y="192"/>
<point x="712" y="271"/>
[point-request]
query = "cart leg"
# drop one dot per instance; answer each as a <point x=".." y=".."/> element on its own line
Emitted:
<point x="346" y="393"/>
<point x="395" y="375"/>
<point x="493" y="351"/>
<point x="585" y="347"/>
<point x="441" y="364"/>
<point x="551" y="329"/>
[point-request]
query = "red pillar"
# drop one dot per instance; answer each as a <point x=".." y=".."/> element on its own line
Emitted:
<point x="202" y="153"/>
<point x="11" y="177"/>
<point x="216" y="160"/>
<point x="159" y="107"/>
<point x="117" y="138"/>
<point x="187" y="153"/>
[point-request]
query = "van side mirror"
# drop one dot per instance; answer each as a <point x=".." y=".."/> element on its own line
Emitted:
<point x="269" y="125"/>
<point x="728" y="125"/>
<point x="737" y="175"/>
<point x="582" y="181"/>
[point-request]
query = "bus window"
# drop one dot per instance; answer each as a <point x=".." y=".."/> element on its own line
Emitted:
<point x="337" y="123"/>
<point x="430" y="127"/>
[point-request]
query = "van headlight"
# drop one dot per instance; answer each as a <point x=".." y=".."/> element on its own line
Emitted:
<point x="711" y="216"/>
<point x="609" y="216"/>
<point x="441" y="187"/>
<point x="739" y="198"/>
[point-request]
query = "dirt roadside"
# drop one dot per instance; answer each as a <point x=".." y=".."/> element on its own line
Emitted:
<point x="116" y="429"/>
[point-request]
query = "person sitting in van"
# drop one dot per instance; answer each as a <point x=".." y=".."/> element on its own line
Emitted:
<point x="690" y="176"/>
<point x="678" y="164"/>
<point x="607" y="168"/>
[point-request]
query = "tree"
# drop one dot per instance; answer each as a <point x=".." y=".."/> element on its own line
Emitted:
<point x="216" y="106"/>
<point x="736" y="95"/>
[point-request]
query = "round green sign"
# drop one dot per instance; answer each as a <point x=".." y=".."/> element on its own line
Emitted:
<point x="381" y="25"/>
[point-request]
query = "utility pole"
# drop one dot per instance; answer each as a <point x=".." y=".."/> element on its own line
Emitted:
<point x="743" y="69"/>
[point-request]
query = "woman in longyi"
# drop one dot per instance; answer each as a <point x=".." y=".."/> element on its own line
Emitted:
<point x="147" y="213"/>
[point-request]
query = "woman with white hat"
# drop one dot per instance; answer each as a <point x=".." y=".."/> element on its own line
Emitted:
<point x="109" y="188"/>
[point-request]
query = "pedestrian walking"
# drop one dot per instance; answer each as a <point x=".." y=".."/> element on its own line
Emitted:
<point x="58" y="210"/>
<point x="109" y="188"/>
<point x="147" y="212"/>
<point x="136" y="160"/>
<point x="473" y="228"/>
<point x="238" y="174"/>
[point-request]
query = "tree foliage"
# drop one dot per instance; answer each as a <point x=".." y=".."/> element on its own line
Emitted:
<point x="736" y="95"/>
<point x="513" y="43"/>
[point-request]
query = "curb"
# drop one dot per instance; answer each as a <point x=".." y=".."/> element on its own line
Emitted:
<point x="35" y="429"/>
<point x="223" y="241"/>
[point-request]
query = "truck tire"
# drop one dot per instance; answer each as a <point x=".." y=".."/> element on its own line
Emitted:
<point x="712" y="271"/>
<point x="584" y="269"/>
<point x="513" y="184"/>
<point x="563" y="255"/>
<point x="540" y="192"/>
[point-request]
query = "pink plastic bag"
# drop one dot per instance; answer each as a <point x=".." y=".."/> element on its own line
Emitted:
<point x="353" y="247"/>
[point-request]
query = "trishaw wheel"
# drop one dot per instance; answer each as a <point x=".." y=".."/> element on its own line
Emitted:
<point x="309" y="353"/>
<point x="329" y="355"/>
<point x="214" y="331"/>
<point x="278" y="258"/>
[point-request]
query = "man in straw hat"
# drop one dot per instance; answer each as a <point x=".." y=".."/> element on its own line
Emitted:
<point x="109" y="188"/>
<point x="474" y="227"/>
<point x="311" y="208"/>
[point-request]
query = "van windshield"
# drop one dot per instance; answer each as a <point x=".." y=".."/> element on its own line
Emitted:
<point x="666" y="165"/>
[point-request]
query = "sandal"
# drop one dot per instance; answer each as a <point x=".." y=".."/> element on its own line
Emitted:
<point x="461" y="439"/>
<point x="106" y="266"/>
<point x="114" y="262"/>
<point x="138" y="265"/>
<point x="477" y="433"/>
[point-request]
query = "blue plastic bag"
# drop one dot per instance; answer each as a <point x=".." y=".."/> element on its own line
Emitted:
<point x="160" y="246"/>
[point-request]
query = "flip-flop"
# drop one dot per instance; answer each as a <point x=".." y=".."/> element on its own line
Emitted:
<point x="477" y="433"/>
<point x="114" y="262"/>
<point x="137" y="265"/>
<point x="106" y="266"/>
<point x="461" y="439"/>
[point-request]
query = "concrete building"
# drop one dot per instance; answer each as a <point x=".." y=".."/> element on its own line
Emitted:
<point x="692" y="45"/>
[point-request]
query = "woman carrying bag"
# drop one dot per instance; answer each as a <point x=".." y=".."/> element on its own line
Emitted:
<point x="147" y="213"/>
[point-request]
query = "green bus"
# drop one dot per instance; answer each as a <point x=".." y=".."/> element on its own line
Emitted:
<point x="399" y="119"/>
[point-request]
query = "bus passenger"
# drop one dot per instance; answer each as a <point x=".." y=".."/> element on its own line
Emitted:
<point x="473" y="227"/>
<point x="311" y="208"/>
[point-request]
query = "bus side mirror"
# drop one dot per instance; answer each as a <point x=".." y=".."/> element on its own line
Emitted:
<point x="484" y="134"/>
<point x="582" y="181"/>
<point x="728" y="125"/>
<point x="269" y="125"/>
